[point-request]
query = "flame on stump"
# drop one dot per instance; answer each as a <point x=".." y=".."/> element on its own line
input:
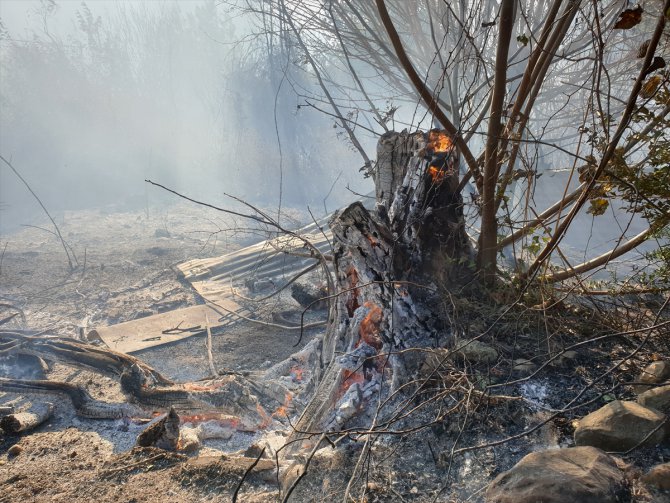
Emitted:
<point x="439" y="141"/>
<point x="439" y="144"/>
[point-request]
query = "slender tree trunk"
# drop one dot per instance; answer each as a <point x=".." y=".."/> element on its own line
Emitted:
<point x="489" y="227"/>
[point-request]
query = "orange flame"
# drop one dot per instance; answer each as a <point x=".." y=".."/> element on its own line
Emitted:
<point x="369" y="329"/>
<point x="439" y="141"/>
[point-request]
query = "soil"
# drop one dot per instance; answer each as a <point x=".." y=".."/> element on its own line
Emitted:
<point x="125" y="271"/>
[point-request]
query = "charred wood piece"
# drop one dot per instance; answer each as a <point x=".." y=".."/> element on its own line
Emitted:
<point x="77" y="354"/>
<point x="163" y="434"/>
<point x="388" y="263"/>
<point x="236" y="394"/>
<point x="84" y="404"/>
<point x="309" y="296"/>
<point x="28" y="420"/>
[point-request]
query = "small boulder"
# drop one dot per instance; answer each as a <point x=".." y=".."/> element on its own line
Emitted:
<point x="656" y="398"/>
<point x="14" y="450"/>
<point x="658" y="477"/>
<point x="561" y="475"/>
<point x="477" y="352"/>
<point x="619" y="426"/>
<point x="654" y="373"/>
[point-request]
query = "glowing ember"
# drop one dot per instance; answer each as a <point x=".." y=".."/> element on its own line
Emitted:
<point x="296" y="374"/>
<point x="225" y="420"/>
<point x="266" y="420"/>
<point x="282" y="410"/>
<point x="349" y="378"/>
<point x="439" y="141"/>
<point x="369" y="329"/>
<point x="438" y="175"/>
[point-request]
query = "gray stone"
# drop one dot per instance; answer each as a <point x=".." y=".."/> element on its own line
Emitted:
<point x="619" y="426"/>
<point x="656" y="398"/>
<point x="577" y="474"/>
<point x="477" y="351"/>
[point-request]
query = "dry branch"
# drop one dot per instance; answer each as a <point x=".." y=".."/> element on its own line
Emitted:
<point x="613" y="144"/>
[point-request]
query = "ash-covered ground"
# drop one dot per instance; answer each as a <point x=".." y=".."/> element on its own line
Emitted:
<point x="126" y="271"/>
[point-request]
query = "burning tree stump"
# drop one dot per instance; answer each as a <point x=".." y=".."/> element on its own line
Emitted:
<point x="388" y="263"/>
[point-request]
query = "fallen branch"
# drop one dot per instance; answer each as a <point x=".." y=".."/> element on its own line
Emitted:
<point x="601" y="260"/>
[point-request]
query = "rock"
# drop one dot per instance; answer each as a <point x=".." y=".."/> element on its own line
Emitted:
<point x="619" y="426"/>
<point x="656" y="398"/>
<point x="524" y="366"/>
<point x="579" y="474"/>
<point x="477" y="352"/>
<point x="14" y="450"/>
<point x="654" y="373"/>
<point x="658" y="476"/>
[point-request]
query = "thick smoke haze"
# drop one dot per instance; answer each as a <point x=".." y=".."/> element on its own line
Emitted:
<point x="95" y="97"/>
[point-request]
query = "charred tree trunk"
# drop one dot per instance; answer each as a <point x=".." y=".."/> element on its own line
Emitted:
<point x="389" y="264"/>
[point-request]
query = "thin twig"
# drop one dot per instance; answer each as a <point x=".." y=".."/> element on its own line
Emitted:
<point x="210" y="356"/>
<point x="60" y="237"/>
<point x="246" y="473"/>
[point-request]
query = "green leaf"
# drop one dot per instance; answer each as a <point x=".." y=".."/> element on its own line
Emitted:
<point x="523" y="40"/>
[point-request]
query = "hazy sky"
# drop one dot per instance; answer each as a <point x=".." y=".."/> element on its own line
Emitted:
<point x="155" y="90"/>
